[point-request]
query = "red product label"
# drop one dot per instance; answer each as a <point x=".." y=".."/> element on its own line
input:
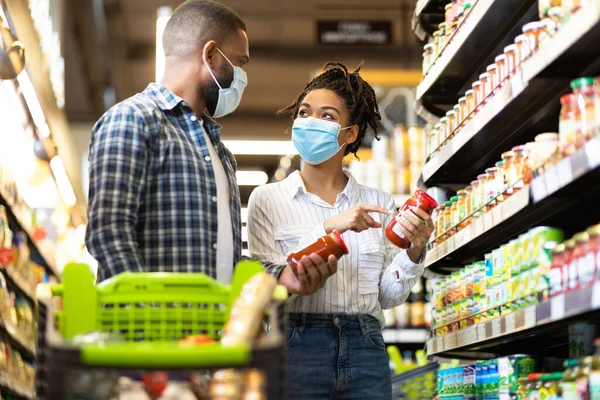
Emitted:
<point x="6" y="256"/>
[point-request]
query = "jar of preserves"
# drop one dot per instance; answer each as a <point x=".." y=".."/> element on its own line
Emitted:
<point x="567" y="265"/>
<point x="523" y="49"/>
<point x="583" y="89"/>
<point x="449" y="13"/>
<point x="453" y="29"/>
<point x="486" y="86"/>
<point x="512" y="59"/>
<point x="555" y="15"/>
<point x="462" y="104"/>
<point x="482" y="178"/>
<point x="331" y="244"/>
<point x="420" y="200"/>
<point x="454" y="211"/>
<point x="546" y="151"/>
<point x="440" y="224"/>
<point x="502" y="65"/>
<point x="442" y="39"/>
<point x="544" y="7"/>
<point x="491" y="189"/>
<point x="468" y="203"/>
<point x="534" y="31"/>
<point x="428" y="57"/>
<point x="458" y="119"/>
<point x="462" y="209"/>
<point x="443" y="130"/>
<point x="520" y="162"/>
<point x="447" y="219"/>
<point x="436" y="43"/>
<point x="555" y="275"/>
<point x="470" y="104"/>
<point x="501" y="185"/>
<point x="473" y="198"/>
<point x="459" y="10"/>
<point x="566" y="124"/>
<point x="466" y="10"/>
<point x="593" y="249"/>
<point x="494" y="80"/>
<point x="451" y="117"/>
<point x="478" y="95"/>
<point x="430" y="146"/>
<point x="436" y="138"/>
<point x="581" y="239"/>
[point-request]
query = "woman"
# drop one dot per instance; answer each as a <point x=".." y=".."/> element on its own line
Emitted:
<point x="336" y="349"/>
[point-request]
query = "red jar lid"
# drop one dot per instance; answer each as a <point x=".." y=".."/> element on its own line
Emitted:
<point x="567" y="98"/>
<point x="340" y="241"/>
<point x="430" y="201"/>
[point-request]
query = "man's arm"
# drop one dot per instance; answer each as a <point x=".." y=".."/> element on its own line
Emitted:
<point x="118" y="157"/>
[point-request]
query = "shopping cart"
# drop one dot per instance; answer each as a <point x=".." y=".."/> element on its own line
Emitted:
<point x="152" y="312"/>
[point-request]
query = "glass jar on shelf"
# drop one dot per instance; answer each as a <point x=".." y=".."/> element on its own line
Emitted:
<point x="470" y="104"/>
<point x="482" y="178"/>
<point x="486" y="87"/>
<point x="491" y="188"/>
<point x="462" y="105"/>
<point x="478" y="95"/>
<point x="447" y="219"/>
<point x="454" y="211"/>
<point x="440" y="224"/>
<point x="494" y="78"/>
<point x="583" y="89"/>
<point x="449" y="13"/>
<point x="510" y="52"/>
<point x="453" y="30"/>
<point x="555" y="14"/>
<point x="510" y="172"/>
<point x="451" y="116"/>
<point x="523" y="49"/>
<point x="459" y="10"/>
<point x="442" y="39"/>
<point x="567" y="124"/>
<point x="436" y="44"/>
<point x="546" y="151"/>
<point x="523" y="169"/>
<point x="502" y="67"/>
<point x="501" y="182"/>
<point x="593" y="249"/>
<point x="474" y="203"/>
<point x="428" y="57"/>
<point x="535" y="32"/>
<point x="466" y="10"/>
<point x="462" y="209"/>
<point x="443" y="130"/>
<point x="468" y="203"/>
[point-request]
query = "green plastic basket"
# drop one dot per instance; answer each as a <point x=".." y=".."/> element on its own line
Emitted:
<point x="151" y="312"/>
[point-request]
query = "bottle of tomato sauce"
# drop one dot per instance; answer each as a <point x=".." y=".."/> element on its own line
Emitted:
<point x="421" y="200"/>
<point x="331" y="244"/>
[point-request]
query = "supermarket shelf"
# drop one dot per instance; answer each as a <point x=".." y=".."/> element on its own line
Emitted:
<point x="525" y="106"/>
<point x="490" y="26"/>
<point x="27" y="350"/>
<point x="428" y="15"/>
<point x="43" y="248"/>
<point x="413" y="373"/>
<point x="405" y="335"/>
<point x="529" y="322"/>
<point x="552" y="198"/>
<point x="18" y="282"/>
<point x="13" y="389"/>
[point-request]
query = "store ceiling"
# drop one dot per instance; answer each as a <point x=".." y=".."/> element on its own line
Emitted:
<point x="110" y="51"/>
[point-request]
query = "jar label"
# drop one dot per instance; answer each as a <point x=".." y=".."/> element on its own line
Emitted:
<point x="586" y="269"/>
<point x="573" y="274"/>
<point x="565" y="278"/>
<point x="397" y="231"/>
<point x="555" y="281"/>
<point x="566" y="132"/>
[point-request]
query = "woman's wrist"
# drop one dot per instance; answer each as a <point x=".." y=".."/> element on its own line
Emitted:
<point x="415" y="254"/>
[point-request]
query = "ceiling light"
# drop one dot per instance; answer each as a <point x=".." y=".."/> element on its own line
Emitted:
<point x="251" y="178"/>
<point x="62" y="181"/>
<point x="163" y="16"/>
<point x="261" y="147"/>
<point x="285" y="162"/>
<point x="33" y="103"/>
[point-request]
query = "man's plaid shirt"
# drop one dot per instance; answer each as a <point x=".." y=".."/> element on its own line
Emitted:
<point x="152" y="197"/>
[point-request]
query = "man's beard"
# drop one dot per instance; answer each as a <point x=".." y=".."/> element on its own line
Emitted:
<point x="212" y="91"/>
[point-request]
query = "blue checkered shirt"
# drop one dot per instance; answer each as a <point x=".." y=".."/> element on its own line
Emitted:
<point x="152" y="197"/>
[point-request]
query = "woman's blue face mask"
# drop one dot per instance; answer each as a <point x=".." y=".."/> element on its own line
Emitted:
<point x="316" y="139"/>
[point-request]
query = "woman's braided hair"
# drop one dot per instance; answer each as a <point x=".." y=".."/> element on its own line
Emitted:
<point x="358" y="97"/>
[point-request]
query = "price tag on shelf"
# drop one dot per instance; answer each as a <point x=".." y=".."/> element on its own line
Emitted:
<point x="592" y="150"/>
<point x="557" y="307"/>
<point x="565" y="175"/>
<point x="470" y="335"/>
<point x="579" y="164"/>
<point x="478" y="226"/>
<point x="496" y="327"/>
<point x="467" y="234"/>
<point x="432" y="345"/>
<point x="552" y="181"/>
<point x="530" y="317"/>
<point x="538" y="189"/>
<point x="459" y="239"/>
<point x="450" y="341"/>
<point x="596" y="296"/>
<point x="488" y="221"/>
<point x="511" y="322"/>
<point x="497" y="214"/>
<point x="481" y="334"/>
<point x="517" y="83"/>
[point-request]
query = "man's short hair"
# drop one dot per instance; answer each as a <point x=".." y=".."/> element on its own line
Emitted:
<point x="196" y="22"/>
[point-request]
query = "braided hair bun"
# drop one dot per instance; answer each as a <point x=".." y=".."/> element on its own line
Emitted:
<point x="358" y="97"/>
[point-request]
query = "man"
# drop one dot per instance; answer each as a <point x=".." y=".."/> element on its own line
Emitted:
<point x="163" y="194"/>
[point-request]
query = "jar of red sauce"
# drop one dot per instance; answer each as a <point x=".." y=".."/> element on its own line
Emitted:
<point x="593" y="248"/>
<point x="331" y="244"/>
<point x="486" y="86"/>
<point x="494" y="78"/>
<point x="421" y="200"/>
<point x="556" y="270"/>
<point x="575" y="272"/>
<point x="567" y="266"/>
<point x="587" y="262"/>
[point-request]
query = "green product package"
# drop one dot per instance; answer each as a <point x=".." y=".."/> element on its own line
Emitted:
<point x="511" y="369"/>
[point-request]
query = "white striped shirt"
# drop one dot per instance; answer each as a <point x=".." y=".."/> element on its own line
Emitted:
<point x="283" y="217"/>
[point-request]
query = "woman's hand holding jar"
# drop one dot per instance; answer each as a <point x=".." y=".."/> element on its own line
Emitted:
<point x="416" y="226"/>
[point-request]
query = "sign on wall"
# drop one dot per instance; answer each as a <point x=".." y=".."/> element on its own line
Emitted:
<point x="354" y="32"/>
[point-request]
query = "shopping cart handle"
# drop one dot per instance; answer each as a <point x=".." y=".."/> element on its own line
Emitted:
<point x="57" y="289"/>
